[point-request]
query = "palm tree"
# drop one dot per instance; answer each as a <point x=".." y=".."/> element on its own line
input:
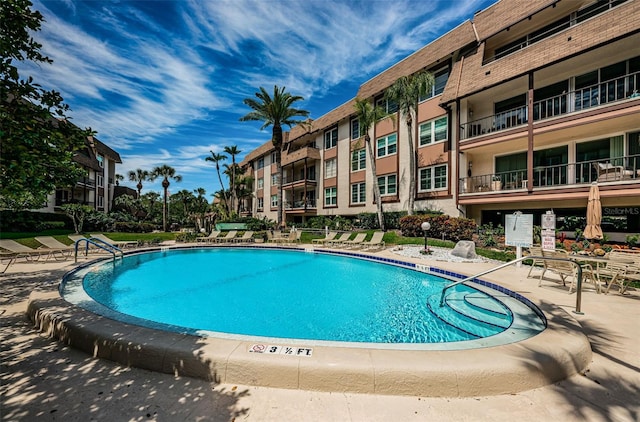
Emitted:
<point x="233" y="151"/>
<point x="186" y="198"/>
<point x="367" y="116"/>
<point x="166" y="172"/>
<point x="406" y="92"/>
<point x="139" y="176"/>
<point x="217" y="158"/>
<point x="275" y="111"/>
<point x="118" y="177"/>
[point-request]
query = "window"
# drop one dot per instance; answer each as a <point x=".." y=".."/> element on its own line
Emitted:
<point x="100" y="180"/>
<point x="274" y="179"/>
<point x="331" y="138"/>
<point x="388" y="185"/>
<point x="261" y="162"/>
<point x="358" y="193"/>
<point x="274" y="201"/>
<point x="273" y="158"/>
<point x="330" y="168"/>
<point x="434" y="131"/>
<point x="100" y="159"/>
<point x="260" y="203"/>
<point x="389" y="106"/>
<point x="261" y="183"/>
<point x="358" y="160"/>
<point x="433" y="178"/>
<point x="355" y="129"/>
<point x="441" y="76"/>
<point x="331" y="196"/>
<point x="387" y="145"/>
<point x="100" y="201"/>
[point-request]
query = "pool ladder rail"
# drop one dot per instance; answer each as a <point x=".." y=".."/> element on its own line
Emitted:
<point x="99" y="243"/>
<point x="515" y="261"/>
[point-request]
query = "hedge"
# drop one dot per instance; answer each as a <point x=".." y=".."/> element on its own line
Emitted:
<point x="442" y="227"/>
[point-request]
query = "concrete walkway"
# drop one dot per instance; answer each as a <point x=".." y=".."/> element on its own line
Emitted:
<point x="45" y="380"/>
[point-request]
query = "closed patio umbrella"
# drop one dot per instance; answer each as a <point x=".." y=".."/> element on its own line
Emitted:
<point x="594" y="214"/>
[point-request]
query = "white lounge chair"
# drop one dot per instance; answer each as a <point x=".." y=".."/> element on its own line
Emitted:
<point x="247" y="237"/>
<point x="355" y="242"/>
<point x="330" y="236"/>
<point x="30" y="254"/>
<point x="117" y="243"/>
<point x="228" y="238"/>
<point x="375" y="242"/>
<point x="211" y="238"/>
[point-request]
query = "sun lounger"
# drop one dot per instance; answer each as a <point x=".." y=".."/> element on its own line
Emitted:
<point x="355" y="242"/>
<point x="50" y="242"/>
<point x="117" y="243"/>
<point x="330" y="236"/>
<point x="247" y="237"/>
<point x="376" y="241"/>
<point x="339" y="240"/>
<point x="211" y="238"/>
<point x="30" y="254"/>
<point x="228" y="238"/>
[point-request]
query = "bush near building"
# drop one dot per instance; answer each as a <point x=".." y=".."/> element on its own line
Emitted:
<point x="442" y="226"/>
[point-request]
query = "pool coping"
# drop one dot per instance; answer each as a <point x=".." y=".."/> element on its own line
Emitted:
<point x="558" y="352"/>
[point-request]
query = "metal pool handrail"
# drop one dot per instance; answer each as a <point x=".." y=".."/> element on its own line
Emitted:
<point x="515" y="261"/>
<point x="112" y="249"/>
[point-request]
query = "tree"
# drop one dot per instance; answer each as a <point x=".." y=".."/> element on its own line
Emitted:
<point x="119" y="178"/>
<point x="406" y="92"/>
<point x="186" y="198"/>
<point x="217" y="158"/>
<point x="77" y="213"/>
<point x="37" y="142"/>
<point x="233" y="151"/>
<point x="367" y="116"/>
<point x="139" y="176"/>
<point x="275" y="111"/>
<point x="166" y="172"/>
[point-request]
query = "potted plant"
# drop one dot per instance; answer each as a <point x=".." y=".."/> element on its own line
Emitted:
<point x="496" y="183"/>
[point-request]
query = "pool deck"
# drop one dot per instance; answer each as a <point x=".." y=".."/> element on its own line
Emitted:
<point x="45" y="379"/>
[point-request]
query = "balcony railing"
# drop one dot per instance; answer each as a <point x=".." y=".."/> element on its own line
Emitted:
<point x="611" y="170"/>
<point x="607" y="92"/>
<point x="300" y="205"/>
<point x="295" y="179"/>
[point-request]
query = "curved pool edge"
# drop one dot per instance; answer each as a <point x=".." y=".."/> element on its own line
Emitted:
<point x="557" y="353"/>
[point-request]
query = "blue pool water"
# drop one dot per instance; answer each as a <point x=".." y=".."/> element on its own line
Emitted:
<point x="293" y="295"/>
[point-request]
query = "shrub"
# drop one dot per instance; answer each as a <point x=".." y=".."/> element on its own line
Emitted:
<point x="442" y="226"/>
<point x="186" y="237"/>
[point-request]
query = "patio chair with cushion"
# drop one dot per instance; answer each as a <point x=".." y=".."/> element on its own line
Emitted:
<point x="607" y="172"/>
<point x="535" y="251"/>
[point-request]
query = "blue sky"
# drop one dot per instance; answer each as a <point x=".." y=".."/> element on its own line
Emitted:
<point x="162" y="82"/>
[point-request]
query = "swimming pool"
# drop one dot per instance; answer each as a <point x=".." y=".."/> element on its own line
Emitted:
<point x="533" y="351"/>
<point x="288" y="294"/>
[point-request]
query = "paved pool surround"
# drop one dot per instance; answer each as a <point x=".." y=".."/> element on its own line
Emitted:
<point x="556" y="353"/>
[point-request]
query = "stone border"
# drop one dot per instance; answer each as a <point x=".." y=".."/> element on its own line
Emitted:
<point x="557" y="353"/>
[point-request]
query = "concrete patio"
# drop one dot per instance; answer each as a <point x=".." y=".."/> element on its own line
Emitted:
<point x="45" y="380"/>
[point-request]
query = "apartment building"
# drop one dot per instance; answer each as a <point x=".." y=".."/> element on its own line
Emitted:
<point x="96" y="188"/>
<point x="533" y="102"/>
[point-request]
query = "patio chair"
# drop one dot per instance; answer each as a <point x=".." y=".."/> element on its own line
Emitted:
<point x="117" y="243"/>
<point x="535" y="251"/>
<point x="617" y="272"/>
<point x="338" y="240"/>
<point x="376" y="241"/>
<point x="29" y="254"/>
<point x="211" y="238"/>
<point x="247" y="237"/>
<point x="632" y="274"/>
<point x="355" y="242"/>
<point x="330" y="236"/>
<point x="52" y="243"/>
<point x="229" y="237"/>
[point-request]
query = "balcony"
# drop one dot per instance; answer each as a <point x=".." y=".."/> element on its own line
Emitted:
<point x="301" y="205"/>
<point x="308" y="152"/>
<point x="622" y="169"/>
<point x="296" y="180"/>
<point x="605" y="93"/>
<point x="86" y="182"/>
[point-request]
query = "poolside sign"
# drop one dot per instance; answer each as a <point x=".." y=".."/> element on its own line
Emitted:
<point x="268" y="349"/>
